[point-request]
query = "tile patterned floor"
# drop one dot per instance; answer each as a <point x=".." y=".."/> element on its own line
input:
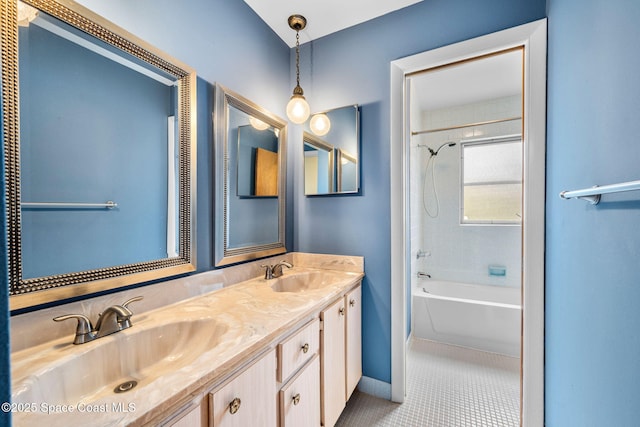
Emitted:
<point x="447" y="386"/>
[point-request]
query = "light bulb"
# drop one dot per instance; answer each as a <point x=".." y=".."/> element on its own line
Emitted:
<point x="298" y="109"/>
<point x="257" y="123"/>
<point x="320" y="124"/>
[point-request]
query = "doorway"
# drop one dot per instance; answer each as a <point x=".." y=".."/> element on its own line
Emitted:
<point x="530" y="42"/>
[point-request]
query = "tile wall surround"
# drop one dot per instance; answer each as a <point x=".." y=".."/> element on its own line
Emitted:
<point x="34" y="328"/>
<point x="459" y="253"/>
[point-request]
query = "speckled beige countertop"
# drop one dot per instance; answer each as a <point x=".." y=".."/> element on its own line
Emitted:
<point x="249" y="316"/>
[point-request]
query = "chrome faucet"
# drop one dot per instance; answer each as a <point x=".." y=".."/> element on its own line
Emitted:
<point x="113" y="319"/>
<point x="273" y="271"/>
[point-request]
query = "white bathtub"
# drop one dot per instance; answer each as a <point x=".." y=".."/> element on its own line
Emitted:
<point x="477" y="316"/>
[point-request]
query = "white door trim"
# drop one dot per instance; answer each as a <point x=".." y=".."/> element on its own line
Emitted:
<point x="533" y="36"/>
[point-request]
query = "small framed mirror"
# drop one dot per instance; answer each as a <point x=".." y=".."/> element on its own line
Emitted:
<point x="332" y="138"/>
<point x="99" y="147"/>
<point x="250" y="179"/>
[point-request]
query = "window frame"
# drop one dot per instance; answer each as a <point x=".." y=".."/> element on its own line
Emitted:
<point x="487" y="141"/>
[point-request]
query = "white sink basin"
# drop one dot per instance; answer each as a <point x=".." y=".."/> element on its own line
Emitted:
<point x="87" y="372"/>
<point x="305" y="281"/>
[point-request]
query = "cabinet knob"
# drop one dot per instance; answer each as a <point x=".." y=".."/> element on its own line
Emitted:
<point x="352" y="302"/>
<point x="341" y="311"/>
<point x="296" y="399"/>
<point x="234" y="406"/>
<point x="305" y="348"/>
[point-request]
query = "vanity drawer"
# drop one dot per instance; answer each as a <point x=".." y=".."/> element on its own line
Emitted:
<point x="300" y="398"/>
<point x="250" y="399"/>
<point x="298" y="349"/>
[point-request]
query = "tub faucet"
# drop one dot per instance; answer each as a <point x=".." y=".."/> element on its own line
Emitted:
<point x="113" y="319"/>
<point x="273" y="271"/>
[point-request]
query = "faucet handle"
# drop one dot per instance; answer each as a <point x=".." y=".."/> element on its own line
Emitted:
<point x="84" y="330"/>
<point x="129" y="301"/>
<point x="268" y="272"/>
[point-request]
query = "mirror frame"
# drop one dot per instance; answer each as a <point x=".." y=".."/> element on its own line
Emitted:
<point x="320" y="144"/>
<point x="223" y="254"/>
<point x="35" y="291"/>
<point x="342" y="154"/>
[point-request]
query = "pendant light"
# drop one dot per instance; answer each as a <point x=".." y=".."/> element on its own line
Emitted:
<point x="298" y="109"/>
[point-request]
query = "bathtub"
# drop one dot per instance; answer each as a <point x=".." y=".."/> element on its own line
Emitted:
<point x="476" y="316"/>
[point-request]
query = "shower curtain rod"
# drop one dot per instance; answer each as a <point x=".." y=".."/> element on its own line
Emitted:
<point x="488" y="122"/>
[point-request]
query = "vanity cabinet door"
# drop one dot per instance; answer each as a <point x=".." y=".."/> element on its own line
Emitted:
<point x="332" y="364"/>
<point x="300" y="398"/>
<point x="250" y="399"/>
<point x="353" y="302"/>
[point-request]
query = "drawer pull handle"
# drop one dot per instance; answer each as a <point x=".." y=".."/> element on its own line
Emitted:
<point x="341" y="311"/>
<point x="234" y="406"/>
<point x="305" y="348"/>
<point x="352" y="302"/>
<point x="296" y="399"/>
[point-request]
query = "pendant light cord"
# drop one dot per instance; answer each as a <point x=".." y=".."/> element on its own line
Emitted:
<point x="297" y="58"/>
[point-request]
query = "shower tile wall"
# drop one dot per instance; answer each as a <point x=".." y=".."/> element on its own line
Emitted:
<point x="456" y="252"/>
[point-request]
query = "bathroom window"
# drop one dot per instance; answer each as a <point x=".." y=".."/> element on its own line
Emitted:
<point x="491" y="181"/>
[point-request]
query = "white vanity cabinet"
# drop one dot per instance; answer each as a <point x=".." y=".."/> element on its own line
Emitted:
<point x="299" y="372"/>
<point x="340" y="354"/>
<point x="300" y="397"/>
<point x="353" y="302"/>
<point x="303" y="378"/>
<point x="249" y="399"/>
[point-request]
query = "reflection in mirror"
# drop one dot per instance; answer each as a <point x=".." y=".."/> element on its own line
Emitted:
<point x="318" y="165"/>
<point x="347" y="172"/>
<point x="257" y="160"/>
<point x="250" y="179"/>
<point x="100" y="191"/>
<point x="338" y="128"/>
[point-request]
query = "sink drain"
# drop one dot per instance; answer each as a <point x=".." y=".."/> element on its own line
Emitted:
<point x="125" y="386"/>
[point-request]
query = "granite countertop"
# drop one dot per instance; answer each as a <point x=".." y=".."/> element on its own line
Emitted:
<point x="250" y="317"/>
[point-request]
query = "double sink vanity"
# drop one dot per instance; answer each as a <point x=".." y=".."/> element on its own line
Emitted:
<point x="281" y="351"/>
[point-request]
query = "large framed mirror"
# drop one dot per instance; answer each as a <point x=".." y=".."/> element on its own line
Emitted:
<point x="250" y="179"/>
<point x="332" y="138"/>
<point x="99" y="148"/>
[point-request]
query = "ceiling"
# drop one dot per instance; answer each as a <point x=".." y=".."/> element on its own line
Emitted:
<point x="323" y="17"/>
<point x="472" y="81"/>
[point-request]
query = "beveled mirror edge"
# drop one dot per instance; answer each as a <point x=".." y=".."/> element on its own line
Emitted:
<point x="340" y="155"/>
<point x="224" y="97"/>
<point x="33" y="292"/>
<point x="309" y="138"/>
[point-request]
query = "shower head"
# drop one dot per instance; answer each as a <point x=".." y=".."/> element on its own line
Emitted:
<point x="448" y="144"/>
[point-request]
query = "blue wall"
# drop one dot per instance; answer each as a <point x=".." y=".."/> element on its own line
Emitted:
<point x="352" y="67"/>
<point x="592" y="275"/>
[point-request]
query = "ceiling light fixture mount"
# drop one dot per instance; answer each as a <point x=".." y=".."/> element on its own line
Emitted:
<point x="298" y="109"/>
